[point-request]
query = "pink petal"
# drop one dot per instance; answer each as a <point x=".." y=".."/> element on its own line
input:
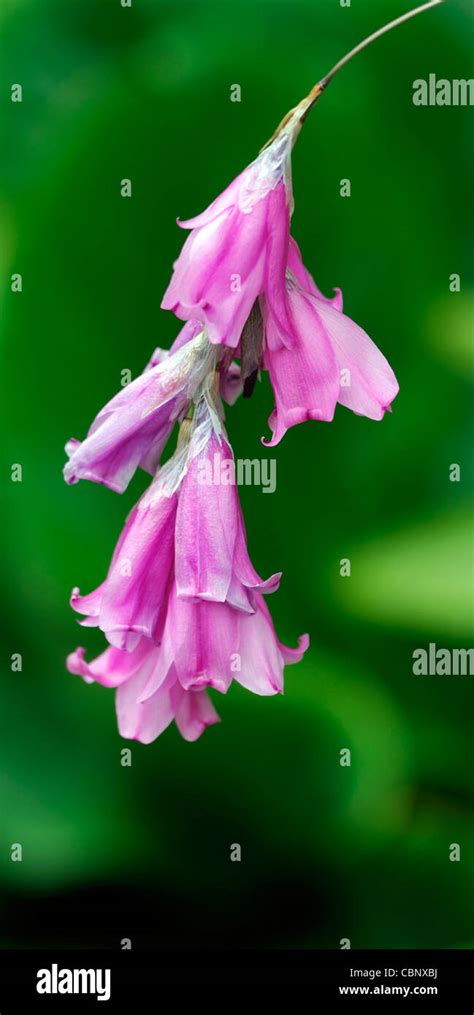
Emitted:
<point x="112" y="667"/>
<point x="227" y="199"/>
<point x="373" y="383"/>
<point x="135" y="592"/>
<point x="133" y="427"/>
<point x="304" y="377"/>
<point x="261" y="663"/>
<point x="145" y="721"/>
<point x="206" y="525"/>
<point x="194" y="714"/>
<point x="295" y="655"/>
<point x="244" y="569"/>
<point x="89" y="604"/>
<point x="219" y="273"/>
<point x="205" y="641"/>
<point x="278" y="233"/>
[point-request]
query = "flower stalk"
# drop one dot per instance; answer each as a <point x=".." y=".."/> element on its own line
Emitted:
<point x="317" y="90"/>
<point x="181" y="607"/>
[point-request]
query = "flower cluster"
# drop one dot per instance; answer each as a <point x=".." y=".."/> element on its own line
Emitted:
<point x="182" y="607"/>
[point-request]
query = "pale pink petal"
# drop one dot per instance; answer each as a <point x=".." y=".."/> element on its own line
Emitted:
<point x="194" y="714"/>
<point x="144" y="721"/>
<point x="243" y="568"/>
<point x="112" y="667"/>
<point x="372" y="382"/>
<point x="262" y="656"/>
<point x="261" y="663"/>
<point x="294" y="655"/>
<point x="225" y="200"/>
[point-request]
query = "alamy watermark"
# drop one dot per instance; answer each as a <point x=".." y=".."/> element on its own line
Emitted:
<point x="241" y="472"/>
<point x="443" y="662"/>
<point x="442" y="92"/>
<point x="74" y="981"/>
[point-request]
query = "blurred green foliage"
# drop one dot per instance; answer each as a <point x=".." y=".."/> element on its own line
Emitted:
<point x="144" y="93"/>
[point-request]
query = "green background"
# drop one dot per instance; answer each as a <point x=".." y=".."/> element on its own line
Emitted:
<point x="327" y="852"/>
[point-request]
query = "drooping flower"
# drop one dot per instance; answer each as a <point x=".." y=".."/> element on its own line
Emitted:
<point x="322" y="359"/>
<point x="205" y="645"/>
<point x="182" y="605"/>
<point x="129" y="673"/>
<point x="239" y="266"/>
<point x="193" y="615"/>
<point x="238" y="247"/>
<point x="132" y="429"/>
<point x="188" y="525"/>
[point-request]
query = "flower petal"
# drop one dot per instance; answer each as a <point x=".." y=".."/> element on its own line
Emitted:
<point x="206" y="525"/>
<point x="144" y="721"/>
<point x="194" y="714"/>
<point x="243" y="567"/>
<point x="135" y="592"/>
<point x="304" y="377"/>
<point x="219" y="273"/>
<point x="373" y="384"/>
<point x="112" y="667"/>
<point x="278" y="234"/>
<point x="261" y="663"/>
<point x="133" y="427"/>
<point x="205" y="640"/>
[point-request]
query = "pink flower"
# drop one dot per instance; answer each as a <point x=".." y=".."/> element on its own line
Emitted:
<point x="186" y="525"/>
<point x="130" y="673"/>
<point x="132" y="600"/>
<point x="132" y="429"/>
<point x="204" y="645"/>
<point x="182" y="605"/>
<point x="238" y="247"/>
<point x="323" y="358"/>
<point x="211" y="644"/>
<point x="211" y="556"/>
<point x="239" y="255"/>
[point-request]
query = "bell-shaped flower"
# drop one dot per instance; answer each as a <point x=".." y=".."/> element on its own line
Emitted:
<point x="239" y="256"/>
<point x="189" y="524"/>
<point x="130" y="673"/>
<point x="321" y="359"/>
<point x="211" y="644"/>
<point x="132" y="429"/>
<point x="205" y="645"/>
<point x="237" y="249"/>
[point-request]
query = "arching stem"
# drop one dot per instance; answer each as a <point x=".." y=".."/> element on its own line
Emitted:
<point x="308" y="102"/>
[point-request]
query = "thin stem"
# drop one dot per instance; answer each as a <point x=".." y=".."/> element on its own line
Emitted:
<point x="303" y="107"/>
<point x="375" y="35"/>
